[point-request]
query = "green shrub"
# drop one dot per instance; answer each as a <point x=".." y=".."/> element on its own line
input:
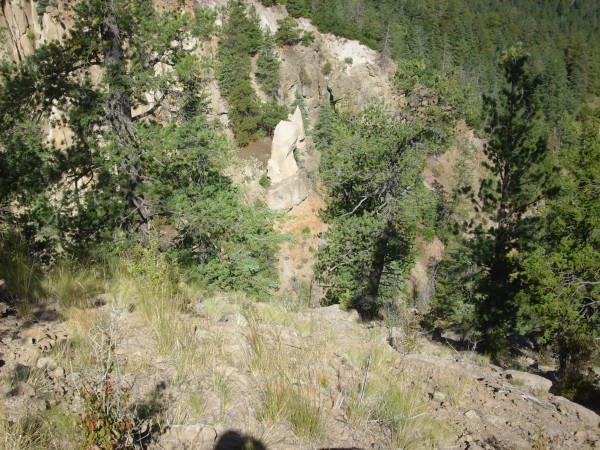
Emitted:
<point x="348" y="60"/>
<point x="40" y="8"/>
<point x="267" y="66"/>
<point x="300" y="103"/>
<point x="105" y="422"/>
<point x="308" y="37"/>
<point x="324" y="131"/>
<point x="326" y="69"/>
<point x="298" y="8"/>
<point x="264" y="181"/>
<point x="271" y="114"/>
<point x="428" y="234"/>
<point x="287" y="32"/>
<point x="304" y="77"/>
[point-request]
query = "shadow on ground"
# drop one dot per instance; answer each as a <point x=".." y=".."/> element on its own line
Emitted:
<point x="234" y="440"/>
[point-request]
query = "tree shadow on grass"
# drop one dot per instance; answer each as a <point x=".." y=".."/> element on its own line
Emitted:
<point x="234" y="440"/>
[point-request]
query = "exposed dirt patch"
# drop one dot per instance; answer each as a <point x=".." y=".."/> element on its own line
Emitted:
<point x="467" y="152"/>
<point x="259" y="150"/>
<point x="297" y="257"/>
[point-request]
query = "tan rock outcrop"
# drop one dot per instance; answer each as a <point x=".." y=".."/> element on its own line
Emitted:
<point x="587" y="416"/>
<point x="296" y="118"/>
<point x="289" y="192"/>
<point x="282" y="164"/>
<point x="24" y="26"/>
<point x="289" y="185"/>
<point x="530" y="380"/>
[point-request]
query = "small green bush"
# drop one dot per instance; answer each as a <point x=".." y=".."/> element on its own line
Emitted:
<point x="304" y="77"/>
<point x="287" y="32"/>
<point x="308" y="37"/>
<point x="326" y="69"/>
<point x="264" y="181"/>
<point x="348" y="60"/>
<point x="40" y="8"/>
<point x="106" y="421"/>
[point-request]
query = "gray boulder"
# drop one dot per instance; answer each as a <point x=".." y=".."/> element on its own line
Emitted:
<point x="530" y="380"/>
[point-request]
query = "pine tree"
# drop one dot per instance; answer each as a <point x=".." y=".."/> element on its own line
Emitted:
<point x="241" y="38"/>
<point x="516" y="150"/>
<point x="98" y="116"/>
<point x="377" y="202"/>
<point x="300" y="103"/>
<point x="560" y="298"/>
<point x="143" y="155"/>
<point x="287" y="32"/>
<point x="267" y="66"/>
<point x="324" y="132"/>
<point x="298" y="8"/>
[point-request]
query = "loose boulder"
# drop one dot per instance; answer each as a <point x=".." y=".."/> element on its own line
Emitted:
<point x="587" y="416"/>
<point x="530" y="380"/>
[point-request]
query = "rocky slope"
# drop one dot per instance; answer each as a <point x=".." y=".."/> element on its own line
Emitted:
<point x="346" y="372"/>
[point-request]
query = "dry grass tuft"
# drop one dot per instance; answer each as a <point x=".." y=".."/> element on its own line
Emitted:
<point x="291" y="382"/>
<point x="150" y="284"/>
<point x="33" y="377"/>
<point x="20" y="279"/>
<point x="383" y="394"/>
<point x="50" y="428"/>
<point x="456" y="388"/>
<point x="74" y="287"/>
<point x="400" y="407"/>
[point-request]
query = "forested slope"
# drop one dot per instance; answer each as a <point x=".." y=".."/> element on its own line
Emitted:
<point x="468" y="36"/>
<point x="524" y="75"/>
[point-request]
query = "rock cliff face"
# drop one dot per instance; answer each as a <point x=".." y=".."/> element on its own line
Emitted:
<point x="27" y="24"/>
<point x="354" y="75"/>
<point x="326" y="64"/>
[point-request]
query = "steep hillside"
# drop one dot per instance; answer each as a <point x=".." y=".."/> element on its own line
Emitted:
<point x="202" y="326"/>
<point x="287" y="377"/>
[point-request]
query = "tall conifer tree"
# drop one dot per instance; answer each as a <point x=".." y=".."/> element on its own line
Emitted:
<point x="516" y="150"/>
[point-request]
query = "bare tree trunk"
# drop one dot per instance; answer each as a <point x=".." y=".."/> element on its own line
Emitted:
<point x="119" y="115"/>
<point x="384" y="57"/>
<point x="377" y="263"/>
